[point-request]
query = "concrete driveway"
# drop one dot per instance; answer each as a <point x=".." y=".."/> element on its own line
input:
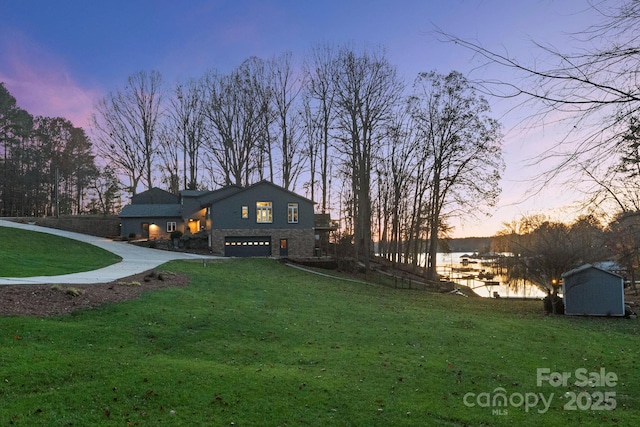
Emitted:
<point x="134" y="259"/>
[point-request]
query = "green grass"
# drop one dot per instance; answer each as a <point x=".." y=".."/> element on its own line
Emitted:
<point x="29" y="253"/>
<point x="252" y="342"/>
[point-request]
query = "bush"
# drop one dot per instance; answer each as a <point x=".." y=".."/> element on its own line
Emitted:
<point x="176" y="234"/>
<point x="74" y="292"/>
<point x="129" y="283"/>
<point x="552" y="303"/>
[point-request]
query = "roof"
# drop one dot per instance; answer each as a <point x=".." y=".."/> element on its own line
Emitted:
<point x="154" y="196"/>
<point x="264" y="182"/>
<point x="215" y="195"/>
<point x="156" y="202"/>
<point x="588" y="267"/>
<point x="192" y="193"/>
<point x="151" y="211"/>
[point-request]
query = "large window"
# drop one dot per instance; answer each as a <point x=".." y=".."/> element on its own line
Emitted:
<point x="264" y="211"/>
<point x="292" y="213"/>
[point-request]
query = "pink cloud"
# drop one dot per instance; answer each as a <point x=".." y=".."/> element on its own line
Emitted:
<point x="41" y="83"/>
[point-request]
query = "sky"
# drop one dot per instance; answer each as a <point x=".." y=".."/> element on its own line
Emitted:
<point x="58" y="57"/>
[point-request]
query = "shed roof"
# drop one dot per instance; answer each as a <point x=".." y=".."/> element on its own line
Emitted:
<point x="587" y="267"/>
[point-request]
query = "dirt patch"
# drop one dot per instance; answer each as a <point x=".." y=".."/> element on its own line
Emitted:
<point x="52" y="300"/>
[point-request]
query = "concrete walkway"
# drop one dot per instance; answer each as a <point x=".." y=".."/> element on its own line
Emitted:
<point x="134" y="259"/>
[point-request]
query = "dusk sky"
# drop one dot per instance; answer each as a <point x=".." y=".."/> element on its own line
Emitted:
<point x="58" y="57"/>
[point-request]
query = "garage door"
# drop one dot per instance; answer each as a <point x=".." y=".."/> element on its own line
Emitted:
<point x="247" y="246"/>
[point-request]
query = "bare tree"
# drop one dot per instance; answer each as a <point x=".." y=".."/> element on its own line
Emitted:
<point x="285" y="87"/>
<point x="463" y="145"/>
<point x="187" y="116"/>
<point x="125" y="126"/>
<point x="105" y="197"/>
<point x="593" y="89"/>
<point x="396" y="179"/>
<point x="366" y="91"/>
<point x="169" y="154"/>
<point x="615" y="185"/>
<point x="623" y="238"/>
<point x="544" y="253"/>
<point x="321" y="70"/>
<point x="234" y="111"/>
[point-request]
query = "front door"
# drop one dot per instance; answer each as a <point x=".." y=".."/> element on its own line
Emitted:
<point x="284" y="247"/>
<point x="145" y="230"/>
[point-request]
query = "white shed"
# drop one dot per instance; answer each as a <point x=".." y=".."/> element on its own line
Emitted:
<point x="592" y="291"/>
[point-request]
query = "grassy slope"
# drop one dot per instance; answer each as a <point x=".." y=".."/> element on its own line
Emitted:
<point x="29" y="253"/>
<point x="252" y="342"/>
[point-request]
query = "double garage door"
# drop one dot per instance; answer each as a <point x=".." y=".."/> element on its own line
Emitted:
<point x="247" y="246"/>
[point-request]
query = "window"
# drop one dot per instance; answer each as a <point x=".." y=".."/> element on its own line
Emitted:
<point x="245" y="212"/>
<point x="171" y="226"/>
<point x="292" y="213"/>
<point x="264" y="212"/>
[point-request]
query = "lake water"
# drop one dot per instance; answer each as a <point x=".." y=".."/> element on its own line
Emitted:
<point x="478" y="275"/>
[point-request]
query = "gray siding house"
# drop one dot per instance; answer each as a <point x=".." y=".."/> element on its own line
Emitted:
<point x="263" y="219"/>
<point x="592" y="291"/>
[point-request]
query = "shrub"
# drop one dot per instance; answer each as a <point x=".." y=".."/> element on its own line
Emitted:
<point x="74" y="292"/>
<point x="176" y="234"/>
<point x="129" y="283"/>
<point x="552" y="303"/>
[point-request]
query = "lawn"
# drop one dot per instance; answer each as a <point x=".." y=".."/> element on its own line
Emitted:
<point x="29" y="253"/>
<point x="254" y="342"/>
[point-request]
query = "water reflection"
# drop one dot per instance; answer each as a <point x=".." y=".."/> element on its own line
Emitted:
<point x="481" y="275"/>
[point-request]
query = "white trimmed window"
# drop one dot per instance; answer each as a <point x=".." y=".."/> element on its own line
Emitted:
<point x="245" y="212"/>
<point x="264" y="212"/>
<point x="171" y="226"/>
<point x="292" y="213"/>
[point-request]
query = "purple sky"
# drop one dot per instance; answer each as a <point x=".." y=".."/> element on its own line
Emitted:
<point x="57" y="57"/>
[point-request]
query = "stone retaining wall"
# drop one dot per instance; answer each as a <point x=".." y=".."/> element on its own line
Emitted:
<point x="94" y="225"/>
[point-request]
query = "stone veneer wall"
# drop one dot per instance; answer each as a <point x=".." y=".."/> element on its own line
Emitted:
<point x="301" y="242"/>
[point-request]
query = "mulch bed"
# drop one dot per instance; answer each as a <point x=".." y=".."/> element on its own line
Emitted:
<point x="53" y="300"/>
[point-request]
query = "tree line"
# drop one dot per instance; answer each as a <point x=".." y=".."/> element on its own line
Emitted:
<point x="542" y="250"/>
<point x="394" y="163"/>
<point x="593" y="89"/>
<point x="48" y="166"/>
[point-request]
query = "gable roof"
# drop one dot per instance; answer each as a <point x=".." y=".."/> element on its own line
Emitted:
<point x="160" y="203"/>
<point x="264" y="183"/>
<point x="215" y="195"/>
<point x="151" y="211"/>
<point x="192" y="193"/>
<point x="154" y="196"/>
<point x="588" y="267"/>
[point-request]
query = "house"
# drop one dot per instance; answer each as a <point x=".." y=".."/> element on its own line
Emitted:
<point x="262" y="219"/>
<point x="593" y="291"/>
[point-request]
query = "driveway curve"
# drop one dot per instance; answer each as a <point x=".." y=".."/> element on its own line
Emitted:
<point x="134" y="259"/>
